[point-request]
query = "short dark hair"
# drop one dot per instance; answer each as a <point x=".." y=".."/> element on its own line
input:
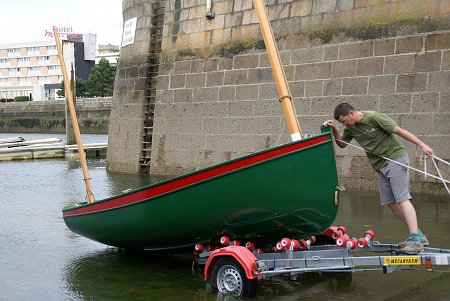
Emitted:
<point x="342" y="109"/>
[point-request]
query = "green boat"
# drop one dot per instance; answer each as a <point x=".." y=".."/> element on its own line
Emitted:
<point x="286" y="191"/>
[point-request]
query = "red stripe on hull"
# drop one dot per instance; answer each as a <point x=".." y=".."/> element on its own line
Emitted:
<point x="167" y="187"/>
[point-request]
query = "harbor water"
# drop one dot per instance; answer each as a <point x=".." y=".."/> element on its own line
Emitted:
<point x="41" y="260"/>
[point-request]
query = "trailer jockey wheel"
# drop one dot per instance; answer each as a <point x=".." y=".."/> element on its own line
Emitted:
<point x="229" y="277"/>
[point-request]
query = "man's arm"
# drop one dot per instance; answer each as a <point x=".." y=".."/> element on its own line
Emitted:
<point x="336" y="134"/>
<point x="412" y="138"/>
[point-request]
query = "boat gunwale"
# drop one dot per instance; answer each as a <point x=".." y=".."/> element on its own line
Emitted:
<point x="82" y="205"/>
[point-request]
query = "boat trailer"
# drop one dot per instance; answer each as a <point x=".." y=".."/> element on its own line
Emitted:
<point x="235" y="269"/>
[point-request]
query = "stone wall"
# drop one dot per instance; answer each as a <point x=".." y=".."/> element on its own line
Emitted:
<point x="216" y="97"/>
<point x="130" y="92"/>
<point x="49" y="116"/>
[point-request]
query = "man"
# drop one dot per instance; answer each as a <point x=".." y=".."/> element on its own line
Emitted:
<point x="374" y="132"/>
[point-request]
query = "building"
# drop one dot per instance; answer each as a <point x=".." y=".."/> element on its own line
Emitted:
<point x="25" y="65"/>
<point x="32" y="68"/>
<point x="108" y="52"/>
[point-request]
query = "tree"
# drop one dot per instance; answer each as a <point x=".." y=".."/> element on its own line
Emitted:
<point x="101" y="80"/>
<point x="81" y="89"/>
<point x="99" y="83"/>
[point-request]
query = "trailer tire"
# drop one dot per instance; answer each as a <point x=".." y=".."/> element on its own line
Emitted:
<point x="229" y="277"/>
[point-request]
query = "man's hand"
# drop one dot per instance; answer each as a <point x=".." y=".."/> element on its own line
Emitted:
<point x="335" y="133"/>
<point x="329" y="123"/>
<point x="427" y="150"/>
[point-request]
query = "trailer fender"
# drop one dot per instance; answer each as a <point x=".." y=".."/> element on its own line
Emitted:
<point x="241" y="254"/>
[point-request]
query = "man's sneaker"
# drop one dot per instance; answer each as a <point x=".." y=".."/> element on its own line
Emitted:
<point x="413" y="246"/>
<point x="423" y="241"/>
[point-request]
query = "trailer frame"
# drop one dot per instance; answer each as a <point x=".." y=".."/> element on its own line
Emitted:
<point x="245" y="267"/>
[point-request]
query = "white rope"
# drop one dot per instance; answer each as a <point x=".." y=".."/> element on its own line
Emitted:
<point x="444" y="181"/>
<point x="281" y="133"/>
<point x="424" y="158"/>
<point x="424" y="163"/>
<point x="442" y="160"/>
<point x="440" y="175"/>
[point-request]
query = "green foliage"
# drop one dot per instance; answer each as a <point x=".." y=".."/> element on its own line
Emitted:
<point x="21" y="98"/>
<point x="80" y="89"/>
<point x="101" y="79"/>
<point x="99" y="83"/>
<point x="62" y="91"/>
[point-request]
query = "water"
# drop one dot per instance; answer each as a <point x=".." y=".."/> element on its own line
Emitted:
<point x="40" y="259"/>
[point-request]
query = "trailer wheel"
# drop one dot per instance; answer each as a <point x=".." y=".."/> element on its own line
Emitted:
<point x="229" y="277"/>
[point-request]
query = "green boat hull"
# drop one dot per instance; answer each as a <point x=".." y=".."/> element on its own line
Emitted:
<point x="286" y="191"/>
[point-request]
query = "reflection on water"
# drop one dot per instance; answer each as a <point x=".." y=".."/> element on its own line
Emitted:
<point x="41" y="259"/>
<point x="113" y="275"/>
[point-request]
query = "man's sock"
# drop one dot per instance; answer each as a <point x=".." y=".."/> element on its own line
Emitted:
<point x="414" y="236"/>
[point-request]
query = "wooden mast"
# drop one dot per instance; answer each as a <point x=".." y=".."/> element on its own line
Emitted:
<point x="278" y="72"/>
<point x="73" y="116"/>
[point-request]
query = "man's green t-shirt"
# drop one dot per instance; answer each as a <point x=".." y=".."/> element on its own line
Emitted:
<point x="374" y="134"/>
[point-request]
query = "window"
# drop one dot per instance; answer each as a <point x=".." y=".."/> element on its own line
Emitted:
<point x="43" y="60"/>
<point x="25" y="92"/>
<point x="14" y="71"/>
<point x="44" y="79"/>
<point x="33" y="50"/>
<point x="51" y="49"/>
<point x="5" y="82"/>
<point x="34" y="70"/>
<point x="5" y="62"/>
<point x="24" y="81"/>
<point x="54" y="69"/>
<point x="14" y="52"/>
<point x="23" y="61"/>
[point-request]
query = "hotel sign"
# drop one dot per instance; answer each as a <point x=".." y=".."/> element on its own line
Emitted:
<point x="64" y="32"/>
<point x="129" y="31"/>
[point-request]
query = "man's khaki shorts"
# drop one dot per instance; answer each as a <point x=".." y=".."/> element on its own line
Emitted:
<point x="393" y="181"/>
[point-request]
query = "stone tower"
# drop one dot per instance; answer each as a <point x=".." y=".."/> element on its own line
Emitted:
<point x="214" y="98"/>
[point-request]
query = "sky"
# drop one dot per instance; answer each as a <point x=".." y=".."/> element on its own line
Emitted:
<point x="28" y="20"/>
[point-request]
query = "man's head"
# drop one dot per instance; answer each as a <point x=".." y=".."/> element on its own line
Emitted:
<point x="345" y="114"/>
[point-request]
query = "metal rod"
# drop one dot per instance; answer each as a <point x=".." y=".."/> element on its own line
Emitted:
<point x="278" y="72"/>
<point x="73" y="116"/>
